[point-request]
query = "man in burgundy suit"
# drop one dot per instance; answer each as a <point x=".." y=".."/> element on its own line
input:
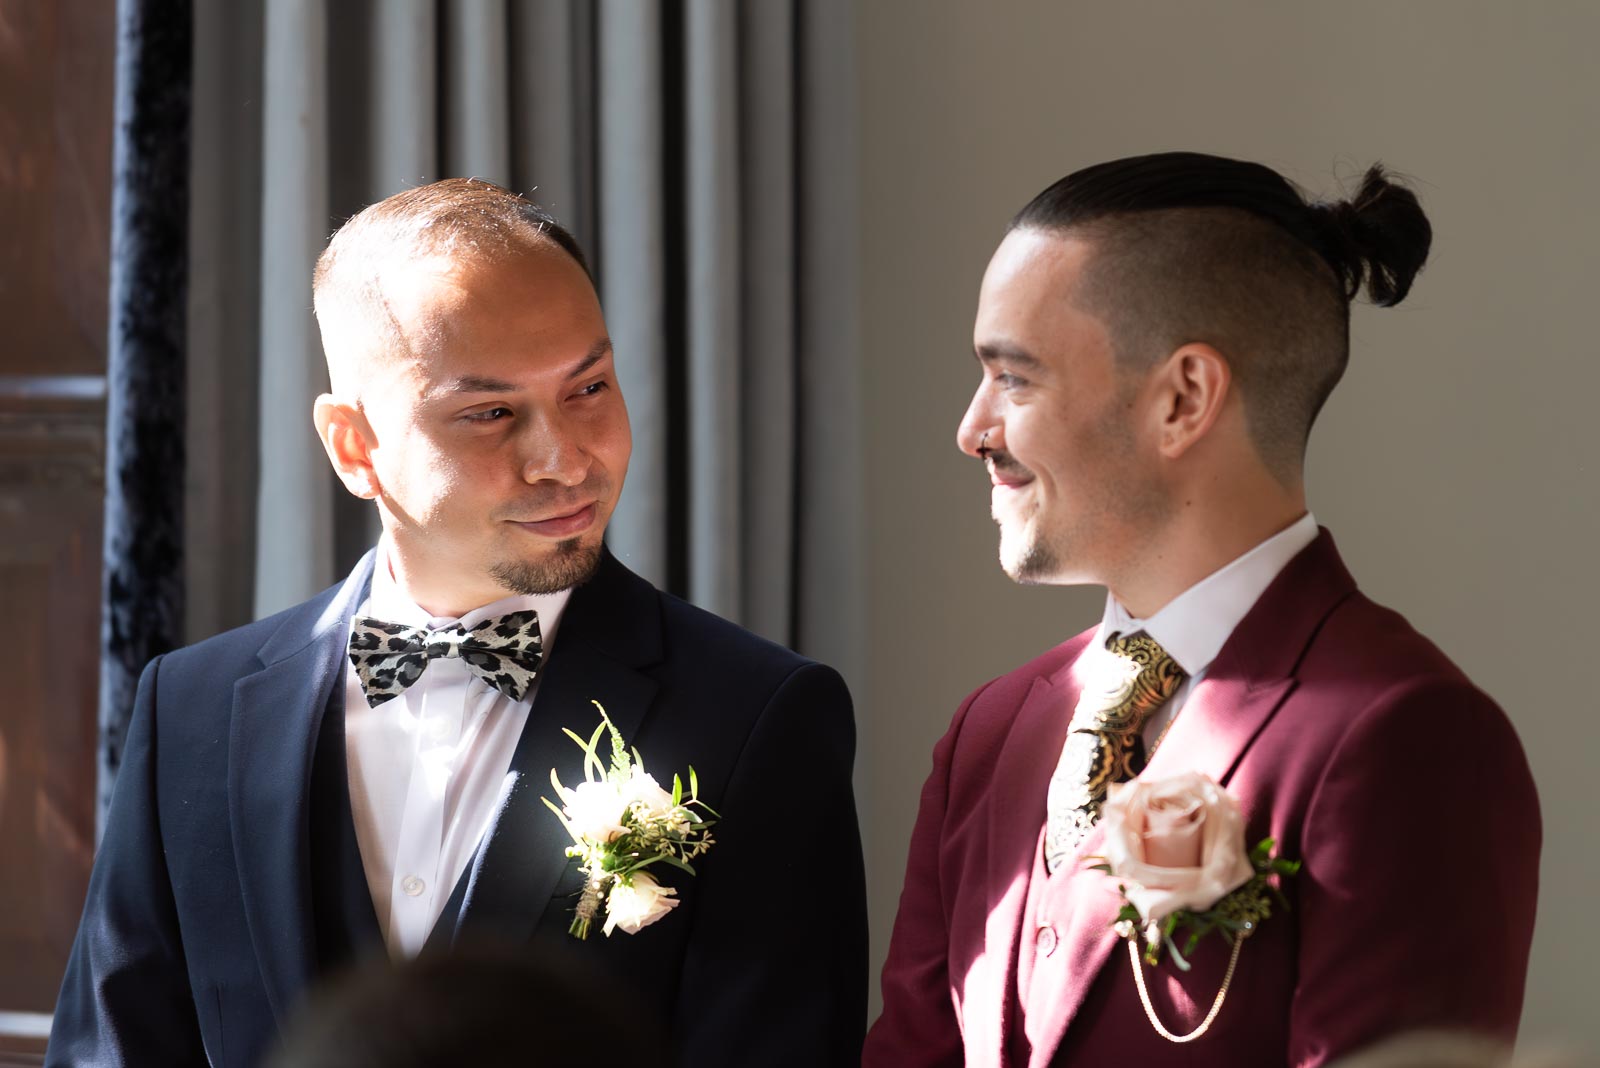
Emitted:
<point x="1156" y="336"/>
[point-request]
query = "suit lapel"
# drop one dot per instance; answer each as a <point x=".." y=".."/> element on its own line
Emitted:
<point x="1021" y="782"/>
<point x="1244" y="687"/>
<point x="611" y="629"/>
<point x="272" y="741"/>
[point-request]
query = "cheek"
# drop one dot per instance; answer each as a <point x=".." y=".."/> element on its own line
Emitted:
<point x="424" y="477"/>
<point x="609" y="439"/>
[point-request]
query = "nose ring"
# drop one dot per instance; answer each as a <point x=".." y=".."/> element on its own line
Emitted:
<point x="983" y="443"/>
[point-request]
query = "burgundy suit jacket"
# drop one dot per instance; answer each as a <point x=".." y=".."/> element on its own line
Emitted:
<point x="1345" y="735"/>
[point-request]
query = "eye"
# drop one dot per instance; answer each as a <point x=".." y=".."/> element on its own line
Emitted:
<point x="488" y="415"/>
<point x="1007" y="380"/>
<point x="594" y="389"/>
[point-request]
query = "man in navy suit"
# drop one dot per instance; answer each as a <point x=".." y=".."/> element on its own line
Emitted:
<point x="285" y="808"/>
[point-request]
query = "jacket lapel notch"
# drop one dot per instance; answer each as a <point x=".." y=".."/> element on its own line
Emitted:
<point x="610" y="629"/>
<point x="1022" y="780"/>
<point x="272" y="738"/>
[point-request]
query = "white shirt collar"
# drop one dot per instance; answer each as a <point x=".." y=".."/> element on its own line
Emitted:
<point x="388" y="602"/>
<point x="1194" y="625"/>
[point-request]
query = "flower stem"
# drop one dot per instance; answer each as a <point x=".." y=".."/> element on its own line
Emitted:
<point x="588" y="907"/>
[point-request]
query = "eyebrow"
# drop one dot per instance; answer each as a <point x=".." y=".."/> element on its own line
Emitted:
<point x="1008" y="353"/>
<point x="480" y="384"/>
<point x="601" y="350"/>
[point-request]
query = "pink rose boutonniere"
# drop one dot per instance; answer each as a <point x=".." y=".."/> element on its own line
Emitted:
<point x="1177" y="850"/>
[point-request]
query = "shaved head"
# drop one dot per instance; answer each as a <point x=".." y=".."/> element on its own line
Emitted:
<point x="410" y="242"/>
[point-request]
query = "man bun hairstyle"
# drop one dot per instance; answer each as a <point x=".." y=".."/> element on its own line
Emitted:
<point x="1379" y="236"/>
<point x="1189" y="247"/>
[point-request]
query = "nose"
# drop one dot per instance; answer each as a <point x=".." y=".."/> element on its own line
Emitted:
<point x="979" y="429"/>
<point x="551" y="452"/>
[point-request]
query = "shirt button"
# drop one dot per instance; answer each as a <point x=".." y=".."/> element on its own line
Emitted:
<point x="412" y="886"/>
<point x="1045" y="940"/>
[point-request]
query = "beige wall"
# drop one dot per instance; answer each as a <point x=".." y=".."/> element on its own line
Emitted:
<point x="1457" y="462"/>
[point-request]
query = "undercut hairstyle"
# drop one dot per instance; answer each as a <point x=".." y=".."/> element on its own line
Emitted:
<point x="1191" y="248"/>
<point x="466" y="219"/>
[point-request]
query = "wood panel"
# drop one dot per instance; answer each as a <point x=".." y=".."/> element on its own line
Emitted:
<point x="56" y="80"/>
<point x="51" y="489"/>
<point x="57" y="64"/>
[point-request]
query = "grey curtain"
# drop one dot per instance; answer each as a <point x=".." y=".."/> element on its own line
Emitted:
<point x="701" y="150"/>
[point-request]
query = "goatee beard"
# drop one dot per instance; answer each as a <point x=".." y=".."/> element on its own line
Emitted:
<point x="572" y="564"/>
<point x="1033" y="566"/>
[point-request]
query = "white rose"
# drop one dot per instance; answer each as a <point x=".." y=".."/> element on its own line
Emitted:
<point x="639" y="905"/>
<point x="595" y="810"/>
<point x="643" y="790"/>
<point x="1175" y="843"/>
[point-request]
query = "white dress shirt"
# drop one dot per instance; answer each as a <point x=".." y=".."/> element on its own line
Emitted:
<point x="427" y="767"/>
<point x="1194" y="625"/>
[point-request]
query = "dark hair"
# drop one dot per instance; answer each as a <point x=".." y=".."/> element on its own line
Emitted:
<point x="1191" y="247"/>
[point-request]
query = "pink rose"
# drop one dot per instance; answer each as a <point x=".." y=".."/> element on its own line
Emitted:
<point x="1175" y="843"/>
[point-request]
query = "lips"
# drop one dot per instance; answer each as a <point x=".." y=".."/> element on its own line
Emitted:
<point x="563" y="526"/>
<point x="1003" y="478"/>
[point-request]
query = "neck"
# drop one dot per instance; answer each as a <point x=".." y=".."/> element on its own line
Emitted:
<point x="442" y="600"/>
<point x="1201" y="539"/>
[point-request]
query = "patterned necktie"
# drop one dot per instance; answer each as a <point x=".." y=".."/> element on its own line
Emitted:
<point x="503" y="651"/>
<point x="1104" y="743"/>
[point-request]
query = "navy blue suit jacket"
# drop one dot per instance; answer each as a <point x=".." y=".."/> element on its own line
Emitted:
<point x="198" y="939"/>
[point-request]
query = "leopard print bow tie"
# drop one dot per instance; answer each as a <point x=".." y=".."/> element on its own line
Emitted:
<point x="503" y="651"/>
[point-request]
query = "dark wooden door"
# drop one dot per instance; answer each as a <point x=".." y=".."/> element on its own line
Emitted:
<point x="56" y="83"/>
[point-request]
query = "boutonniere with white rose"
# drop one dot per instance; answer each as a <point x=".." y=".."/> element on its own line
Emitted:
<point x="1177" y="850"/>
<point x="622" y="821"/>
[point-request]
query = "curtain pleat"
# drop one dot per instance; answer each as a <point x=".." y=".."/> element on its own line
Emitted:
<point x="632" y="263"/>
<point x="767" y="299"/>
<point x="224" y="324"/>
<point x="553" y="109"/>
<point x="715" y="485"/>
<point x="477" y="126"/>
<point x="828" y="574"/>
<point x="404" y="98"/>
<point x="294" y="518"/>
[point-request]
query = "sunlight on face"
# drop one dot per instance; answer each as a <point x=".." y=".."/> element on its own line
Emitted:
<point x="502" y="440"/>
<point x="1071" y="487"/>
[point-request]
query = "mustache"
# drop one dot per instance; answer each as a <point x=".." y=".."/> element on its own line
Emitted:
<point x="543" y="500"/>
<point x="1003" y="463"/>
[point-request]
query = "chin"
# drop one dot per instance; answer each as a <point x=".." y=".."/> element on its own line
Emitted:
<point x="1029" y="560"/>
<point x="1022" y="560"/>
<point x="568" y="564"/>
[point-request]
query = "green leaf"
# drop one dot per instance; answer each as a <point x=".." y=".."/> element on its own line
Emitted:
<point x="562" y="816"/>
<point x="667" y="858"/>
<point x="591" y="756"/>
<point x="677" y="790"/>
<point x="694" y="783"/>
<point x="1172" y="948"/>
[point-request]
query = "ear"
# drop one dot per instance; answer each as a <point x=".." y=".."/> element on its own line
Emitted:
<point x="1193" y="387"/>
<point x="348" y="439"/>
